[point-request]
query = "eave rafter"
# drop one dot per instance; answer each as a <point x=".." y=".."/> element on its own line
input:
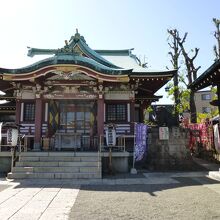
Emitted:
<point x="211" y="79"/>
<point x="149" y="84"/>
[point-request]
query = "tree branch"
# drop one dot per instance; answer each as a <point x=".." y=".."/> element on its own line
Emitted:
<point x="196" y="53"/>
<point x="184" y="38"/>
<point x="171" y="46"/>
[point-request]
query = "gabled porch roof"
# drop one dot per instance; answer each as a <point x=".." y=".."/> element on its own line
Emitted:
<point x="210" y="77"/>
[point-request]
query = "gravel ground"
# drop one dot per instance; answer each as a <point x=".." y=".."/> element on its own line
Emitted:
<point x="189" y="199"/>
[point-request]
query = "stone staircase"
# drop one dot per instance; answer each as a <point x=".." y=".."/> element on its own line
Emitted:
<point x="57" y="165"/>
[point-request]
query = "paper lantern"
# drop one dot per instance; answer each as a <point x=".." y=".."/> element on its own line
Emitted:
<point x="12" y="136"/>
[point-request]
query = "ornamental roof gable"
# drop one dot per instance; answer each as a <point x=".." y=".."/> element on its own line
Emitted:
<point x="76" y="46"/>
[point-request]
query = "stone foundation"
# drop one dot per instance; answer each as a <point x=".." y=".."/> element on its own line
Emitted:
<point x="5" y="162"/>
<point x="168" y="154"/>
<point x="120" y="162"/>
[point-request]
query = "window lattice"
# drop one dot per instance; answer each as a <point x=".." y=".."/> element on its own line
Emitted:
<point x="116" y="112"/>
<point x="29" y="112"/>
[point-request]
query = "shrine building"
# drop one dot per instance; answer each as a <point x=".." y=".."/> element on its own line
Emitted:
<point x="70" y="97"/>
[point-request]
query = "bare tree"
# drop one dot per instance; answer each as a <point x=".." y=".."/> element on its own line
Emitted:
<point x="175" y="53"/>
<point x="190" y="68"/>
<point x="216" y="48"/>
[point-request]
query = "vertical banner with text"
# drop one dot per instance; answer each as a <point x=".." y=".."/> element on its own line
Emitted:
<point x="140" y="141"/>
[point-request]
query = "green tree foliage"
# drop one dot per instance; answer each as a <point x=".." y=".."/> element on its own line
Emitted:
<point x="147" y="112"/>
<point x="184" y="95"/>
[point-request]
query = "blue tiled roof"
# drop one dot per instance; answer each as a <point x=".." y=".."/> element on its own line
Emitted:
<point x="68" y="59"/>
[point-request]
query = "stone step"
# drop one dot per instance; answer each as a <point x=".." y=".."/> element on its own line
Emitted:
<point x="30" y="175"/>
<point x="57" y="164"/>
<point x="58" y="154"/>
<point x="56" y="169"/>
<point x="214" y="175"/>
<point x="58" y="158"/>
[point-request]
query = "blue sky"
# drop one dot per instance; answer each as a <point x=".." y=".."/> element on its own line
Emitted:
<point x="115" y="24"/>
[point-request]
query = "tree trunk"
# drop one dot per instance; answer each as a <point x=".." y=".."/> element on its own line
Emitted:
<point x="191" y="70"/>
<point x="175" y="53"/>
<point x="176" y="97"/>
<point x="217" y="36"/>
<point x="192" y="107"/>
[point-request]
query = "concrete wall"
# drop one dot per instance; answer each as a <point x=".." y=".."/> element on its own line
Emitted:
<point x="120" y="162"/>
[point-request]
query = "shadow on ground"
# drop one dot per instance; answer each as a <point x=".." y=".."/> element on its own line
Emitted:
<point x="191" y="198"/>
<point x="154" y="187"/>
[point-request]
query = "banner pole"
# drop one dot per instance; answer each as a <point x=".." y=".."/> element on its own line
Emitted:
<point x="134" y="150"/>
<point x="133" y="170"/>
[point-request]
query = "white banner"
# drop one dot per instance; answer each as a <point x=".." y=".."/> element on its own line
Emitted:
<point x="216" y="138"/>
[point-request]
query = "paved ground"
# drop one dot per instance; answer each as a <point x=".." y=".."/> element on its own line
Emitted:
<point x="37" y="200"/>
<point x="187" y="199"/>
<point x="2" y="187"/>
<point x="158" y="195"/>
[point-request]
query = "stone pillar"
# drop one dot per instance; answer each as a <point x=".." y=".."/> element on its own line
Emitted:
<point x="18" y="111"/>
<point x="100" y="115"/>
<point x="38" y="123"/>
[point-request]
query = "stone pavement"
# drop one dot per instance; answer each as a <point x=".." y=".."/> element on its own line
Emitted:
<point x="41" y="200"/>
<point x="214" y="169"/>
<point x="46" y="199"/>
<point x="53" y="199"/>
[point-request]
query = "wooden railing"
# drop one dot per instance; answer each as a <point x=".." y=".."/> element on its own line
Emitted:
<point x="120" y="142"/>
<point x="21" y="145"/>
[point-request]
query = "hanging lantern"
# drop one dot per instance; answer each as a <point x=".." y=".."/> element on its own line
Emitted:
<point x="12" y="137"/>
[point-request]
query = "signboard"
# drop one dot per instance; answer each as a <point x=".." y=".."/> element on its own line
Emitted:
<point x="111" y="136"/>
<point x="163" y="133"/>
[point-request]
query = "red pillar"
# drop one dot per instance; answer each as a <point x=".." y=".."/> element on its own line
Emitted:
<point x="100" y="115"/>
<point x="132" y="114"/>
<point x="38" y="123"/>
<point x="18" y="111"/>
